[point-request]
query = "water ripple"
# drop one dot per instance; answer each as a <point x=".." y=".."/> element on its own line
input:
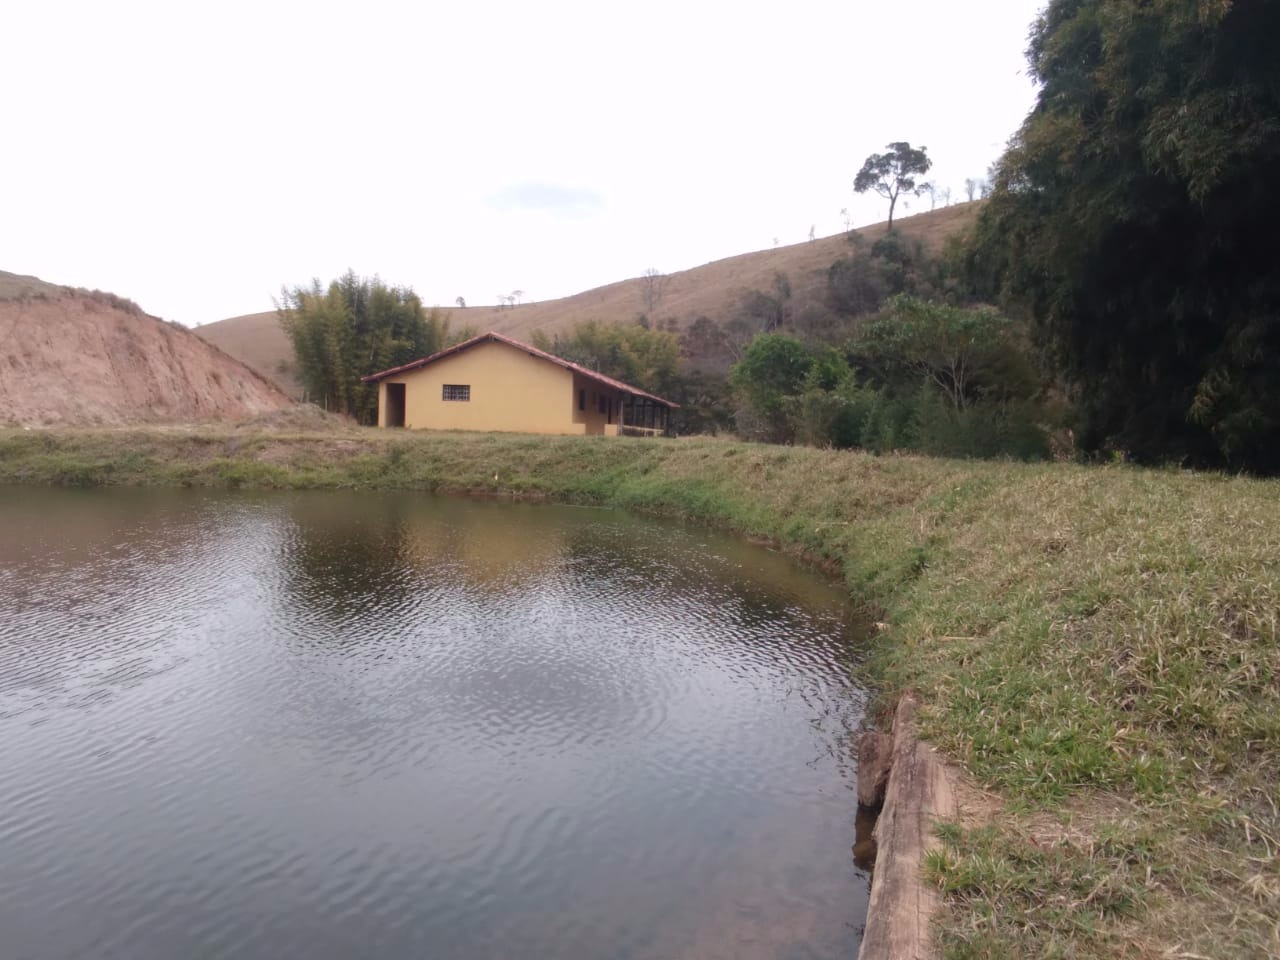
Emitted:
<point x="338" y="725"/>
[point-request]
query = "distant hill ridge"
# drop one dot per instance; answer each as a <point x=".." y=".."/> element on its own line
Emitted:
<point x="70" y="356"/>
<point x="712" y="290"/>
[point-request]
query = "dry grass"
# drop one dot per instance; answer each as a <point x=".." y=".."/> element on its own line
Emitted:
<point x="19" y="287"/>
<point x="711" y="290"/>
<point x="299" y="418"/>
<point x="259" y="342"/>
<point x="15" y="286"/>
<point x="1098" y="647"/>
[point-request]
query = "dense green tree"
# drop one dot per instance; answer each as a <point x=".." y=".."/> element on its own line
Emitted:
<point x="632" y="353"/>
<point x="1136" y="217"/>
<point x="773" y="368"/>
<point x="831" y="408"/>
<point x="929" y="377"/>
<point x="948" y="381"/>
<point x="351" y="329"/>
<point x="893" y="173"/>
<point x="969" y="354"/>
<point x="651" y="359"/>
<point x="705" y="403"/>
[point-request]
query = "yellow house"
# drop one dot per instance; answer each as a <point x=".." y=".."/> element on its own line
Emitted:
<point x="492" y="382"/>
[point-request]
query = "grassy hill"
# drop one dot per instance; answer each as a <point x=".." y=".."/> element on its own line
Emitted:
<point x="712" y="290"/>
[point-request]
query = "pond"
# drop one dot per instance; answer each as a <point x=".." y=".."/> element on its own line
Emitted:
<point x="352" y="725"/>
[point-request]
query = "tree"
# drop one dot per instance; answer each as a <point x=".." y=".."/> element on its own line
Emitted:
<point x="830" y="409"/>
<point x="1135" y="217"/>
<point x="353" y="328"/>
<point x="515" y="296"/>
<point x="705" y="340"/>
<point x="893" y="173"/>
<point x="760" y="312"/>
<point x="970" y="188"/>
<point x="772" y="368"/>
<point x="961" y="351"/>
<point x="629" y="352"/>
<point x="653" y="285"/>
<point x="855" y="286"/>
<point x="462" y="304"/>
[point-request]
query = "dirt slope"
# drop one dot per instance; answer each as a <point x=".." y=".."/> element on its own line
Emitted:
<point x="712" y="290"/>
<point x="89" y="358"/>
<point x="258" y="341"/>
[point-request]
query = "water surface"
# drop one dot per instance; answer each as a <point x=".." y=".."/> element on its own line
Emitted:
<point x="352" y="725"/>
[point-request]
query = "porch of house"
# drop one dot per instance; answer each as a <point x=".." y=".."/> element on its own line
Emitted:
<point x="641" y="417"/>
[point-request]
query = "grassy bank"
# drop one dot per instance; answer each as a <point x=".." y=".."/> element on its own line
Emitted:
<point x="1097" y="647"/>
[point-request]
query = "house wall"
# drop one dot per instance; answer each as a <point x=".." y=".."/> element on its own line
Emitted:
<point x="592" y="418"/>
<point x="510" y="391"/>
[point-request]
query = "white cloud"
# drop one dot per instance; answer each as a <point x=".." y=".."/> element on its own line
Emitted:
<point x="553" y="198"/>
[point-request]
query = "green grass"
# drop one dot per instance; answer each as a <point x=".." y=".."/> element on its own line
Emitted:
<point x="1097" y="646"/>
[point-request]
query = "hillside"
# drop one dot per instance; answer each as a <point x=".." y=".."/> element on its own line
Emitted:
<point x="80" y="357"/>
<point x="712" y="290"/>
<point x="258" y="341"/>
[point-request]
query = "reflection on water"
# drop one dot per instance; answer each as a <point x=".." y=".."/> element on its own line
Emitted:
<point x="336" y="725"/>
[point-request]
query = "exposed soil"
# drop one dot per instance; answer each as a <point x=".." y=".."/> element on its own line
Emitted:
<point x="82" y="358"/>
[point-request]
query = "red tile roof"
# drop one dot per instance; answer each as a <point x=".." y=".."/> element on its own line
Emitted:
<point x="533" y="352"/>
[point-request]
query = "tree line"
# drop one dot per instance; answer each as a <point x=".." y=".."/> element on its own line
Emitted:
<point x="351" y="328"/>
<point x="1117" y="296"/>
<point x="1128" y="235"/>
<point x="1134" y="221"/>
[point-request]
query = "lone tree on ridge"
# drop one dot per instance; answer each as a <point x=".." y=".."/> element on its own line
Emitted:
<point x="890" y="174"/>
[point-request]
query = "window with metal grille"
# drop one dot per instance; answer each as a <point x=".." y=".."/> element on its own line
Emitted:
<point x="457" y="391"/>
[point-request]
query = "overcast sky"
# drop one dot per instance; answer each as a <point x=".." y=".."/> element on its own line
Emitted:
<point x="198" y="157"/>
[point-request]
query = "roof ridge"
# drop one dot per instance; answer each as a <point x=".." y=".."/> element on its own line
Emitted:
<point x="493" y="335"/>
